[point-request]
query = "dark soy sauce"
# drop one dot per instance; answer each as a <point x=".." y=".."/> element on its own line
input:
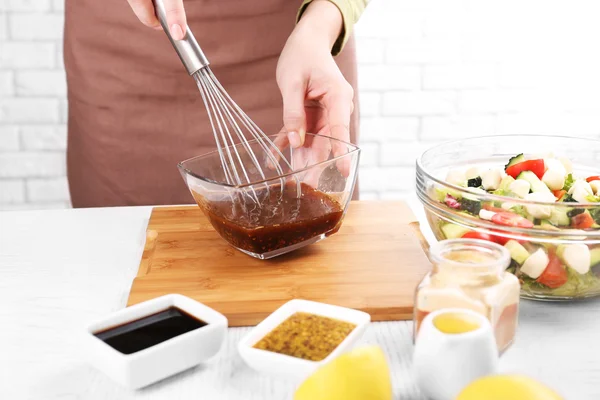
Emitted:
<point x="149" y="331"/>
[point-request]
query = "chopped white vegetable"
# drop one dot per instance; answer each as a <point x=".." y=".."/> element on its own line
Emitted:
<point x="508" y="205"/>
<point x="538" y="210"/>
<point x="490" y="179"/>
<point x="576" y="256"/>
<point x="485" y="214"/>
<point x="572" y="231"/>
<point x="595" y="185"/>
<point x="456" y="177"/>
<point x="552" y="164"/>
<point x="535" y="264"/>
<point x="472" y="172"/>
<point x="555" y="180"/>
<point x="581" y="184"/>
<point x="520" y="187"/>
<point x="580" y="194"/>
<point x="476" y="190"/>
<point x="567" y="164"/>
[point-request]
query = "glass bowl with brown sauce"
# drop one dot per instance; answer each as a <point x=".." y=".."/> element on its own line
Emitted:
<point x="284" y="208"/>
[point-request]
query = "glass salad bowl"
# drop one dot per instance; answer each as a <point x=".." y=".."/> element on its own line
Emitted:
<point x="289" y="202"/>
<point x="539" y="196"/>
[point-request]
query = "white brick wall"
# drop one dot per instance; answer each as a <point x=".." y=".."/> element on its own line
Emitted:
<point x="32" y="110"/>
<point x="430" y="70"/>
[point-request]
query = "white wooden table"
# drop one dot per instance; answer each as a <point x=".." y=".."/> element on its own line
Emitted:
<point x="61" y="269"/>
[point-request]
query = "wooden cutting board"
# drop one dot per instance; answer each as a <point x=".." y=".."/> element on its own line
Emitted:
<point x="373" y="264"/>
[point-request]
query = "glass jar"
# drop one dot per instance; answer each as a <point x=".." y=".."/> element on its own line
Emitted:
<point x="470" y="274"/>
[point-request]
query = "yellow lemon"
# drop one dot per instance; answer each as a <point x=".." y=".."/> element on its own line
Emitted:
<point x="507" y="387"/>
<point x="361" y="374"/>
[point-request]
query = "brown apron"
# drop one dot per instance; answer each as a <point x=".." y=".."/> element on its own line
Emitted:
<point x="134" y="112"/>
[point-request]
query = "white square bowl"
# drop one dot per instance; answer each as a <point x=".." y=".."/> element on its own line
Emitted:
<point x="282" y="365"/>
<point x="157" y="362"/>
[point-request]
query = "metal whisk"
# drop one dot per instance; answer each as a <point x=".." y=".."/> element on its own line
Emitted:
<point x="228" y="121"/>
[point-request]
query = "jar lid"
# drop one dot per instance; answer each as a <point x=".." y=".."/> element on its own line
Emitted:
<point x="475" y="254"/>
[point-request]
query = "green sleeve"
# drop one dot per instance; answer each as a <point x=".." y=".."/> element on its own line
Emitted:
<point x="351" y="11"/>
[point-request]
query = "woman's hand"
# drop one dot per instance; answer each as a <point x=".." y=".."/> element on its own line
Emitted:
<point x="144" y="10"/>
<point x="316" y="96"/>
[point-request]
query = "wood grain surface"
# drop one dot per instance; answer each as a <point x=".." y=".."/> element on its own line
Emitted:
<point x="372" y="264"/>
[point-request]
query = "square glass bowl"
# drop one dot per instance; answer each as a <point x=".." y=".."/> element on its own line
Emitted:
<point x="266" y="199"/>
<point x="162" y="360"/>
<point x="285" y="366"/>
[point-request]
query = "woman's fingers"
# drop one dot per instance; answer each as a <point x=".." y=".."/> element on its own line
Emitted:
<point x="293" y="92"/>
<point x="340" y="105"/>
<point x="144" y="10"/>
<point x="176" y="18"/>
<point x="280" y="143"/>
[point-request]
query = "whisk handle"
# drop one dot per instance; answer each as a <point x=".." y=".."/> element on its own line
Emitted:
<point x="187" y="49"/>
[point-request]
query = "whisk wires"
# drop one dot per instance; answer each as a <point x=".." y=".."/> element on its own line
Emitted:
<point x="230" y="122"/>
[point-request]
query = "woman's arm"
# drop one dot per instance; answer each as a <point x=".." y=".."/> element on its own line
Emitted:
<point x="316" y="96"/>
<point x="351" y="10"/>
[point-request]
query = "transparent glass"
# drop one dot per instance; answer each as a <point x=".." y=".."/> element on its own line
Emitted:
<point x="470" y="274"/>
<point x="284" y="208"/>
<point x="493" y="152"/>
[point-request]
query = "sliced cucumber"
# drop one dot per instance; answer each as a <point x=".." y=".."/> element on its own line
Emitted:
<point x="559" y="217"/>
<point x="547" y="225"/>
<point x="505" y="182"/>
<point x="472" y="206"/>
<point x="474" y="182"/>
<point x="452" y="231"/>
<point x="537" y="186"/>
<point x="517" y="252"/>
<point x="515" y="160"/>
<point x="520" y="188"/>
<point x="440" y="194"/>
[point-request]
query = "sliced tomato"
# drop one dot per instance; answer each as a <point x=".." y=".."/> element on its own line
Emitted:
<point x="559" y="193"/>
<point x="555" y="274"/>
<point x="502" y="239"/>
<point x="490" y="238"/>
<point x="490" y="207"/>
<point x="582" y="221"/>
<point x="478" y="235"/>
<point x="593" y="178"/>
<point x="536" y="166"/>
<point x="511" y="219"/>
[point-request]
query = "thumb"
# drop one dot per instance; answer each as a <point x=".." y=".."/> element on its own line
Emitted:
<point x="176" y="18"/>
<point x="294" y="116"/>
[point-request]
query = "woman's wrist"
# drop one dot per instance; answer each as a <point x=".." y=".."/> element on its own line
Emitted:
<point x="323" y="20"/>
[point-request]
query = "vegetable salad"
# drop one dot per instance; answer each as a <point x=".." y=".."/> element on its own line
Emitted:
<point x="555" y="269"/>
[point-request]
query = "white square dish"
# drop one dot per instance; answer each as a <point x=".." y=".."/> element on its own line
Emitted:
<point x="292" y="367"/>
<point x="157" y="362"/>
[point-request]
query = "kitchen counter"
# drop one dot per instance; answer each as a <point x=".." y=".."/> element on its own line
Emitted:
<point x="60" y="269"/>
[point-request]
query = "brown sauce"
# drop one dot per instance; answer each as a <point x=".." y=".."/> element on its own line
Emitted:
<point x="149" y="331"/>
<point x="282" y="220"/>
